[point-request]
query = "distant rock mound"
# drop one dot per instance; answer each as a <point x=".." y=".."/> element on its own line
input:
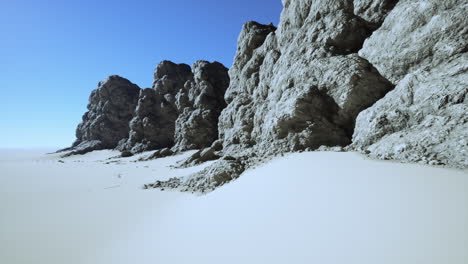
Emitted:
<point x="110" y="108"/>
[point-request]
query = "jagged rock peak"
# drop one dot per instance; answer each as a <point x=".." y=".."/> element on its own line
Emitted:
<point x="425" y="118"/>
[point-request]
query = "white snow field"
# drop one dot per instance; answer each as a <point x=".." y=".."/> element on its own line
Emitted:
<point x="317" y="207"/>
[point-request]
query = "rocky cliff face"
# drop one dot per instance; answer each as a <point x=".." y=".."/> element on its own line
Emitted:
<point x="425" y="118"/>
<point x="385" y="77"/>
<point x="199" y="105"/>
<point x="304" y="84"/>
<point x="181" y="110"/>
<point x="153" y="125"/>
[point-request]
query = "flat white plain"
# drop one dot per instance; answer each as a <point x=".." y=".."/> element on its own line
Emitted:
<point x="317" y="207"/>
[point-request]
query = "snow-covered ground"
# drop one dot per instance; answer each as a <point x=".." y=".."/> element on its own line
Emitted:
<point x="319" y="207"/>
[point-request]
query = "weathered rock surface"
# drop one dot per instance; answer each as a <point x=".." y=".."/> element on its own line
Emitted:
<point x="181" y="110"/>
<point x="110" y="108"/>
<point x="200" y="103"/>
<point x="431" y="32"/>
<point x="298" y="87"/>
<point x="388" y="76"/>
<point x="204" y="181"/>
<point x="83" y="148"/>
<point x="153" y="124"/>
<point x="373" y="11"/>
<point x="425" y="118"/>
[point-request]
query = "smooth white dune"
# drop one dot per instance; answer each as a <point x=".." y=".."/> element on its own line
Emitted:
<point x="319" y="207"/>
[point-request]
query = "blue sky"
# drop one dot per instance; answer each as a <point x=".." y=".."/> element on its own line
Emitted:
<point x="53" y="53"/>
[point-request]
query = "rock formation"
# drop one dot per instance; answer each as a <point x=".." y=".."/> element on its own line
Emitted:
<point x="385" y="77"/>
<point x="425" y="119"/>
<point x="303" y="85"/>
<point x="373" y="11"/>
<point x="110" y="108"/>
<point x="153" y="125"/>
<point x="181" y="110"/>
<point x="200" y="103"/>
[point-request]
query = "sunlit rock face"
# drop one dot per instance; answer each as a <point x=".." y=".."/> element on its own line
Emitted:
<point x="385" y="77"/>
<point x="302" y="85"/>
<point x="181" y="110"/>
<point x="425" y="119"/>
<point x="373" y="11"/>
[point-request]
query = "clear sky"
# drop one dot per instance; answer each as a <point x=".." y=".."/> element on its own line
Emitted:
<point x="53" y="53"/>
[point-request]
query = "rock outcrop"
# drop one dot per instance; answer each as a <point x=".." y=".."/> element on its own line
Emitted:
<point x="294" y="88"/>
<point x="431" y="32"/>
<point x="303" y="85"/>
<point x="298" y="88"/>
<point x="181" y="110"/>
<point x="373" y="11"/>
<point x="153" y="125"/>
<point x="385" y="77"/>
<point x="200" y="103"/>
<point x="425" y="119"/>
<point x="110" y="108"/>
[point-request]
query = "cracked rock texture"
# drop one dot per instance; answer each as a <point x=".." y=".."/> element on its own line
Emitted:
<point x="425" y="119"/>
<point x="181" y="109"/>
<point x="299" y="86"/>
<point x="153" y="125"/>
<point x="373" y="11"/>
<point x="200" y="103"/>
<point x="388" y="77"/>
<point x="303" y="85"/>
<point x="110" y="108"/>
<point x="431" y="32"/>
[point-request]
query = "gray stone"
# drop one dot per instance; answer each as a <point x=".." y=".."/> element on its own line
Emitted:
<point x="153" y="124"/>
<point x="294" y="88"/>
<point x="84" y="147"/>
<point x="110" y="108"/>
<point x="416" y="35"/>
<point x="200" y="105"/>
<point x="425" y="119"/>
<point x="204" y="181"/>
<point x="298" y="88"/>
<point x="373" y="11"/>
<point x="181" y="110"/>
